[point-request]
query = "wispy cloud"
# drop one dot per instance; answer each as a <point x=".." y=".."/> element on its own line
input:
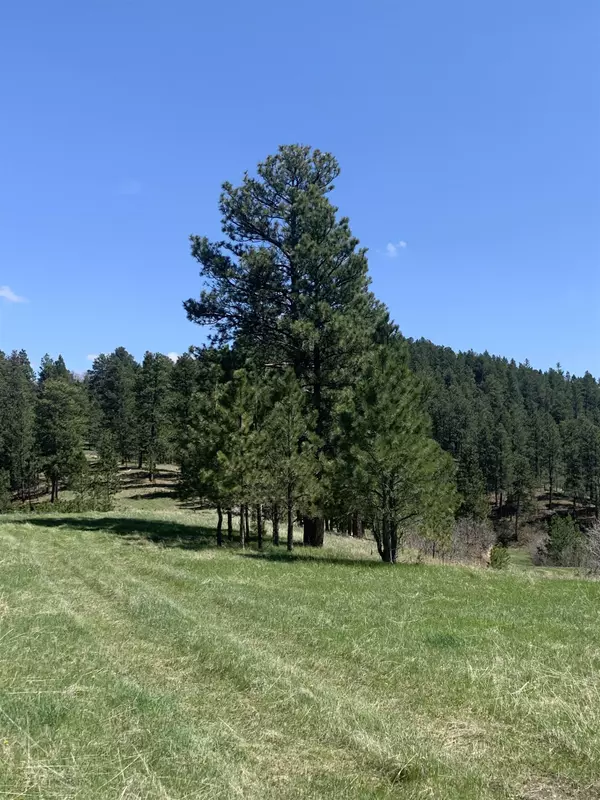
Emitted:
<point x="393" y="248"/>
<point x="7" y="293"/>
<point x="129" y="187"/>
<point x="92" y="357"/>
<point x="173" y="356"/>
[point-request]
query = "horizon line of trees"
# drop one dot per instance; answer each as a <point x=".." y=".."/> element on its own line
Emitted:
<point x="245" y="438"/>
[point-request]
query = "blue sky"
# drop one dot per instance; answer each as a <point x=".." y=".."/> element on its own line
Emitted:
<point x="470" y="131"/>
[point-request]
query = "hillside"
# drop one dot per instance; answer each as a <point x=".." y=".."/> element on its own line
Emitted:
<point x="138" y="661"/>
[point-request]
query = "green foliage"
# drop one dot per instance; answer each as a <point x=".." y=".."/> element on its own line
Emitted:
<point x="288" y="450"/>
<point x="565" y="545"/>
<point x="53" y="370"/>
<point x="5" y="493"/>
<point x="289" y="284"/>
<point x="528" y="427"/>
<point x="400" y="474"/>
<point x="153" y="410"/>
<point x="499" y="557"/>
<point x="105" y="473"/>
<point x="60" y="425"/>
<point x="470" y="482"/>
<point x="17" y="423"/>
<point x="111" y="383"/>
<point x="307" y="399"/>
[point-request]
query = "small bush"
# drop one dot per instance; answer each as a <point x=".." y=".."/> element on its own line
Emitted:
<point x="565" y="546"/>
<point x="592" y="548"/>
<point x="472" y="540"/>
<point x="499" y="557"/>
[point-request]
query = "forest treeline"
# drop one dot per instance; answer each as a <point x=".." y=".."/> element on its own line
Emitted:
<point x="307" y="402"/>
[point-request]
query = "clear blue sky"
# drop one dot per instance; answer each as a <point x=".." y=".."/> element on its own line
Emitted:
<point x="469" y="130"/>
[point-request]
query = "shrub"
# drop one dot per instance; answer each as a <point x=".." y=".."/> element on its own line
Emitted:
<point x="499" y="557"/>
<point x="471" y="540"/>
<point x="565" y="546"/>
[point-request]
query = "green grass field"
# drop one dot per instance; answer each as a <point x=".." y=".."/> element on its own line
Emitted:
<point x="137" y="661"/>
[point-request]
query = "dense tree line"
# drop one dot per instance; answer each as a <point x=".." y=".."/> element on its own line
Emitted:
<point x="306" y="404"/>
<point x="60" y="430"/>
<point x="512" y="429"/>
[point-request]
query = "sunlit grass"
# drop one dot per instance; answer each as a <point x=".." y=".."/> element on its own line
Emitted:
<point x="137" y="661"/>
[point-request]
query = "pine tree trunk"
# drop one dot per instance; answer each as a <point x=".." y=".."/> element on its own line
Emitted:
<point x="219" y="526"/>
<point x="242" y="528"/>
<point x="53" y="491"/>
<point x="247" y="517"/>
<point x="259" y="526"/>
<point x="140" y="460"/>
<point x="229" y="525"/>
<point x="306" y="522"/>
<point x="394" y="543"/>
<point x="517" y="516"/>
<point x="275" y="512"/>
<point x="550" y="487"/>
<point x="357" y="526"/>
<point x="386" y="542"/>
<point x="314" y="531"/>
<point x="290" y="520"/>
<point x="319" y="532"/>
<point x="317" y="524"/>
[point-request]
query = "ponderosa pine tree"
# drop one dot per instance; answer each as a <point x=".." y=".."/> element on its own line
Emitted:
<point x="204" y="429"/>
<point x="111" y="383"/>
<point x="470" y="481"/>
<point x="551" y="448"/>
<point x="185" y="382"/>
<point x="521" y="473"/>
<point x="400" y="473"/>
<point x="574" y="479"/>
<point x="502" y="461"/>
<point x="60" y="426"/>
<point x="288" y="284"/>
<point x="238" y="474"/>
<point x="50" y="369"/>
<point x="287" y="450"/>
<point x="152" y="409"/>
<point x="19" y="428"/>
<point x="589" y="453"/>
<point x="106" y="471"/>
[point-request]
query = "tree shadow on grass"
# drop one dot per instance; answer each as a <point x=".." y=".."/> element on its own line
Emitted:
<point x="165" y="533"/>
<point x="146" y="484"/>
<point x="309" y="555"/>
<point x="159" y="532"/>
<point x="159" y="494"/>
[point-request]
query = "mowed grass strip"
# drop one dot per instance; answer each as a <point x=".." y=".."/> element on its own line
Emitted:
<point x="134" y="670"/>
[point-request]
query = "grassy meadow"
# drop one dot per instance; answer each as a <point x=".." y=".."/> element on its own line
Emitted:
<point x="137" y="661"/>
